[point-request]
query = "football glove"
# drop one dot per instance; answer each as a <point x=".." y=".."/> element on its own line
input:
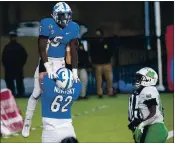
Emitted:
<point x="138" y="132"/>
<point x="75" y="75"/>
<point x="132" y="125"/>
<point x="49" y="69"/>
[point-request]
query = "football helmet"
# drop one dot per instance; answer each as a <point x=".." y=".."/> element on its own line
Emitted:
<point x="69" y="140"/>
<point x="146" y="77"/>
<point x="64" y="78"/>
<point x="62" y="14"/>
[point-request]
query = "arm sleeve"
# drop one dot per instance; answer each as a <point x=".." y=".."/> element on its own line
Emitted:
<point x="44" y="28"/>
<point x="76" y="32"/>
<point x="149" y="98"/>
<point x="150" y="102"/>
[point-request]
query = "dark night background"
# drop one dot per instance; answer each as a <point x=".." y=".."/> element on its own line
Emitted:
<point x="121" y="18"/>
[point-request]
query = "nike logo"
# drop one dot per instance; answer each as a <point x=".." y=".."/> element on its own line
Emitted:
<point x="67" y="33"/>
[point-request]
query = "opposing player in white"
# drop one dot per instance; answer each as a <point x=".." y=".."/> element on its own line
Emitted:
<point x="145" y="109"/>
<point x="56" y="33"/>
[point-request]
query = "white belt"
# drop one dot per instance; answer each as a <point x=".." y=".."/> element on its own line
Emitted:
<point x="55" y="59"/>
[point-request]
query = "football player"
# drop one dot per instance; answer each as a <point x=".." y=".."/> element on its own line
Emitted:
<point x="146" y="110"/>
<point x="57" y="98"/>
<point x="56" y="33"/>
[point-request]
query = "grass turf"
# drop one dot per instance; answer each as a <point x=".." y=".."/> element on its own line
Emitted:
<point x="95" y="120"/>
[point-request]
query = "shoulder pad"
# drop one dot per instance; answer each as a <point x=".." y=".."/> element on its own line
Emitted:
<point x="150" y="92"/>
<point x="47" y="21"/>
<point x="74" y="25"/>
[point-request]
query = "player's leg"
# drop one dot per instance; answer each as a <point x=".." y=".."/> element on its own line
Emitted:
<point x="157" y="133"/>
<point x="107" y="69"/>
<point x="84" y="79"/>
<point x="98" y="76"/>
<point x="65" y="132"/>
<point x="58" y="134"/>
<point x="57" y="63"/>
<point x="32" y="102"/>
<point x="9" y="80"/>
<point x="48" y="136"/>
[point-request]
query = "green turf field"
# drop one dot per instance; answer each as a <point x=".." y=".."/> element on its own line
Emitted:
<point x="96" y="120"/>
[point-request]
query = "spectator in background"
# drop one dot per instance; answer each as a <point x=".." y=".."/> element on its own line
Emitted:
<point x="14" y="58"/>
<point x="83" y="62"/>
<point x="101" y="52"/>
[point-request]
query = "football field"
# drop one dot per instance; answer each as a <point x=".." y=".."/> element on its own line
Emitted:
<point x="95" y="120"/>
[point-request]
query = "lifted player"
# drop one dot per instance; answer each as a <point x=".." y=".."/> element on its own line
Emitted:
<point x="145" y="109"/>
<point x="55" y="34"/>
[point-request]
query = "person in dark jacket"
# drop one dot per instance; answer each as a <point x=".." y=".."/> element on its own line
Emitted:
<point x="101" y="53"/>
<point x="14" y="58"/>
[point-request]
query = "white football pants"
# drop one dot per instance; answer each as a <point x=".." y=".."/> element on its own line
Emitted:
<point x="57" y="64"/>
<point x="57" y="135"/>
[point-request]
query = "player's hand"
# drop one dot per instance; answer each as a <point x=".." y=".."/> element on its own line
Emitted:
<point x="131" y="127"/>
<point x="76" y="80"/>
<point x="75" y="75"/>
<point x="49" y="69"/>
<point x="138" y="132"/>
<point x="26" y="128"/>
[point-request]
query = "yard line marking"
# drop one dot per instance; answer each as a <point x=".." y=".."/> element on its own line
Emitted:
<point x="170" y="134"/>
<point x="95" y="109"/>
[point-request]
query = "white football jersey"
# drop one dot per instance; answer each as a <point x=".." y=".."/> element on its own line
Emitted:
<point x="146" y="95"/>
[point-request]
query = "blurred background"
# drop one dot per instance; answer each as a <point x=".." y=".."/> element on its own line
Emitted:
<point x="129" y="34"/>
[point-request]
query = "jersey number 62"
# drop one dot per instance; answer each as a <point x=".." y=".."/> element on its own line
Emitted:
<point x="56" y="106"/>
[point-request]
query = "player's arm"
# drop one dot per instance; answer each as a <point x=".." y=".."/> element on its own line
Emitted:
<point x="42" y="46"/>
<point x="43" y="39"/>
<point x="151" y="104"/>
<point x="74" y="57"/>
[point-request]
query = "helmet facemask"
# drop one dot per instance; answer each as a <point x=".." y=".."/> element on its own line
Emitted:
<point x="62" y="19"/>
<point x="138" y="80"/>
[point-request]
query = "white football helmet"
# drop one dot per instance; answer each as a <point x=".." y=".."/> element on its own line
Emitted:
<point x="64" y="78"/>
<point x="62" y="14"/>
<point x="146" y="77"/>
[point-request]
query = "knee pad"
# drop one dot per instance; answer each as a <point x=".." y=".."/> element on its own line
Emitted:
<point x="69" y="140"/>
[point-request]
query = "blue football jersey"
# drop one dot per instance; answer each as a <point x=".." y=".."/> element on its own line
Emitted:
<point x="56" y="103"/>
<point x="59" y="38"/>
